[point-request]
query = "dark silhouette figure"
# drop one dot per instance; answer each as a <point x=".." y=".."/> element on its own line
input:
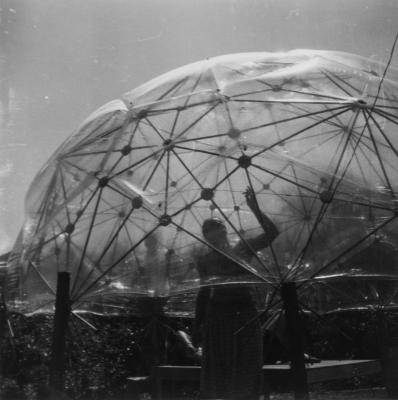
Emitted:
<point x="232" y="347"/>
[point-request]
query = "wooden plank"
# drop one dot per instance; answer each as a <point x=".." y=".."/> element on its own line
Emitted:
<point x="340" y="369"/>
<point x="317" y="372"/>
<point x="323" y="371"/>
<point x="177" y="372"/>
<point x="344" y="369"/>
<point x="329" y="369"/>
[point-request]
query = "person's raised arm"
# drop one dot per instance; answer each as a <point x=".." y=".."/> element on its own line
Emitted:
<point x="270" y="231"/>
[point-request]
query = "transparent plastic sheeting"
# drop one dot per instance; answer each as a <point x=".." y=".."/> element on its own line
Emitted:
<point x="120" y="205"/>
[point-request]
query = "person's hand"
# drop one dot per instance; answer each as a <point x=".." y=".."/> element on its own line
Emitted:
<point x="251" y="198"/>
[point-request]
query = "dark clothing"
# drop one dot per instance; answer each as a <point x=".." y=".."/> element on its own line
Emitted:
<point x="232" y="369"/>
<point x="232" y="360"/>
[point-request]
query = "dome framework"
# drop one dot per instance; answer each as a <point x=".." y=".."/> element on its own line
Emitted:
<point x="121" y="203"/>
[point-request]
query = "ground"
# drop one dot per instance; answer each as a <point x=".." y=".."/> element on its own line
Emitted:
<point x="100" y="360"/>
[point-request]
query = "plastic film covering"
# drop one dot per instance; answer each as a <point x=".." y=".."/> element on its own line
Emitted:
<point x="122" y="203"/>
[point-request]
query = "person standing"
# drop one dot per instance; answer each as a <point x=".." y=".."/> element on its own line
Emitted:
<point x="231" y="346"/>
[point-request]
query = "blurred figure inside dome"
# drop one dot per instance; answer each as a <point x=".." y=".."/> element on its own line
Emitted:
<point x="158" y="281"/>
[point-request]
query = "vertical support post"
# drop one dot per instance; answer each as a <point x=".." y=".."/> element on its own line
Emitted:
<point x="61" y="317"/>
<point x="158" y="335"/>
<point x="295" y="340"/>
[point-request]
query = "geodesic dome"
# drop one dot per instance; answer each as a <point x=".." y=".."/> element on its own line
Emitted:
<point x="121" y="203"/>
